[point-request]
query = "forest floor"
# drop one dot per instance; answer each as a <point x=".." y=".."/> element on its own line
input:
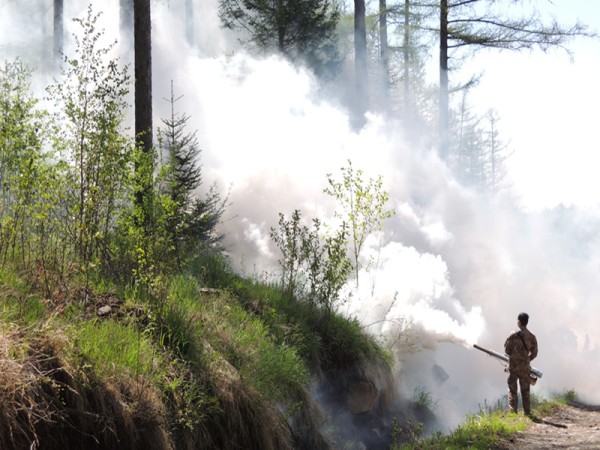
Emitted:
<point x="574" y="427"/>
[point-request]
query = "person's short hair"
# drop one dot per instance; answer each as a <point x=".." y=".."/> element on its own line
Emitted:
<point x="523" y="318"/>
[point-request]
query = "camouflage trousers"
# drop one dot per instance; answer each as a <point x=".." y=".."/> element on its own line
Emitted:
<point x="522" y="378"/>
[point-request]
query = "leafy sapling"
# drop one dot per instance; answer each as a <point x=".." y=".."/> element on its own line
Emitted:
<point x="363" y="207"/>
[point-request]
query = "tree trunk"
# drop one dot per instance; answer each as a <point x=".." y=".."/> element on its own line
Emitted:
<point x="360" y="61"/>
<point x="189" y="21"/>
<point x="384" y="54"/>
<point x="143" y="73"/>
<point x="126" y="18"/>
<point x="443" y="101"/>
<point x="406" y="59"/>
<point x="142" y="36"/>
<point x="58" y="29"/>
<point x="493" y="153"/>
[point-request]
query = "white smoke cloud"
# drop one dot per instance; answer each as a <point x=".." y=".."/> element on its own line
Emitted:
<point x="455" y="268"/>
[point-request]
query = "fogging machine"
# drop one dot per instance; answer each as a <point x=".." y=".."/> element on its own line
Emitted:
<point x="534" y="373"/>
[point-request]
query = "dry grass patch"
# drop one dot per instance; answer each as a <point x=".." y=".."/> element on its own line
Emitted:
<point x="47" y="403"/>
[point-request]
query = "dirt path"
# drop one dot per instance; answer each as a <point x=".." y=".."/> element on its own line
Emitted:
<point x="574" y="427"/>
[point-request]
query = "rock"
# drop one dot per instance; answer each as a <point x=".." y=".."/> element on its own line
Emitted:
<point x="211" y="291"/>
<point x="104" y="310"/>
<point x="439" y="374"/>
<point x="362" y="396"/>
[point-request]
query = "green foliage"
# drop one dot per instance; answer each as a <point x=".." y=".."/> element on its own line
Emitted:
<point x="97" y="157"/>
<point x="485" y="430"/>
<point x="569" y="396"/>
<point x="27" y="310"/>
<point x="174" y="226"/>
<point x="363" y="204"/>
<point x="136" y="252"/>
<point x="500" y="404"/>
<point x="199" y="346"/>
<point x="542" y="407"/>
<point x="291" y="321"/>
<point x="189" y="221"/>
<point x="345" y="341"/>
<point x="289" y="238"/>
<point x="27" y="179"/>
<point x="69" y="185"/>
<point x="180" y="318"/>
<point x="328" y="265"/>
<point x="191" y="397"/>
<point x="324" y="338"/>
<point x="302" y="30"/>
<point x="312" y="266"/>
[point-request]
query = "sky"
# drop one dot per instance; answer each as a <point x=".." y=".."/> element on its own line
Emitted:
<point x="450" y="267"/>
<point x="548" y="108"/>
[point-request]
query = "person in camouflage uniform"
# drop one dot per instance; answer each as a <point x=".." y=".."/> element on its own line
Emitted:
<point x="521" y="347"/>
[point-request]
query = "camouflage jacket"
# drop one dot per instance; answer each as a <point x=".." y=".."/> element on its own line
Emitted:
<point x="521" y="351"/>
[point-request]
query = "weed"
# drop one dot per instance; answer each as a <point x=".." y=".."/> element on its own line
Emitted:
<point x="423" y="399"/>
<point x="569" y="396"/>
<point x="500" y="404"/>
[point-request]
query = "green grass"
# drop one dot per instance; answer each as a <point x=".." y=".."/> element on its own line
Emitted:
<point x="422" y="397"/>
<point x="18" y="303"/>
<point x="117" y="349"/>
<point x="192" y="319"/>
<point x="274" y="369"/>
<point x="26" y="310"/>
<point x="483" y="430"/>
<point x="547" y="407"/>
<point x="479" y="431"/>
<point x="324" y="339"/>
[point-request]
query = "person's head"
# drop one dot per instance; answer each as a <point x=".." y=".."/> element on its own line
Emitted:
<point x="523" y="319"/>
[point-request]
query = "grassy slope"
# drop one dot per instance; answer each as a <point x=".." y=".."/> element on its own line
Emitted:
<point x="191" y="367"/>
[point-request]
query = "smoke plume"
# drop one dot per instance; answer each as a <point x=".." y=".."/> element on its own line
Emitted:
<point x="451" y="267"/>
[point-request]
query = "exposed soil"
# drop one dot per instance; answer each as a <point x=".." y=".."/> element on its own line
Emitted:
<point x="574" y="427"/>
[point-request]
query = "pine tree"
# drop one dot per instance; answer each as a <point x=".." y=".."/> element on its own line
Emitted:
<point x="301" y="30"/>
<point x="190" y="220"/>
<point x="466" y="146"/>
<point x="497" y="153"/>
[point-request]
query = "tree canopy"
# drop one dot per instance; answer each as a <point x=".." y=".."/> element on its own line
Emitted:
<point x="302" y="30"/>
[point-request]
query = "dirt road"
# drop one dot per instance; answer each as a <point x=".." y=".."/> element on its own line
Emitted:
<point x="573" y="427"/>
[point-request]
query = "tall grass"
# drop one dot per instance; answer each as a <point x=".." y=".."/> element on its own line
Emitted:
<point x="117" y="349"/>
<point x="274" y="369"/>
<point x="18" y="302"/>
<point x="195" y="319"/>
